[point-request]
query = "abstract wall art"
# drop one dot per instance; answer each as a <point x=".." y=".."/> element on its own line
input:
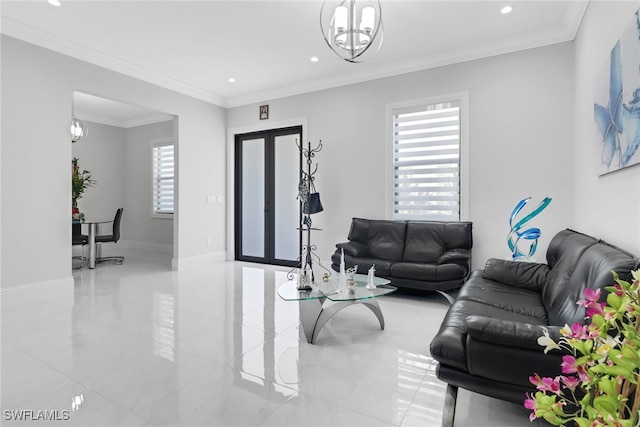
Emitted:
<point x="617" y="103"/>
<point x="519" y="234"/>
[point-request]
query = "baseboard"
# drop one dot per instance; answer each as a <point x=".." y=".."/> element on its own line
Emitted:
<point x="145" y="247"/>
<point x="64" y="281"/>
<point x="185" y="263"/>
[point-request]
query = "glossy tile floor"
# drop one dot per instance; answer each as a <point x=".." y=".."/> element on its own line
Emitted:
<point x="140" y="345"/>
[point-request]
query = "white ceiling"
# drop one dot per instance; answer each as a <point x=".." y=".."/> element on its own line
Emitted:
<point x="193" y="47"/>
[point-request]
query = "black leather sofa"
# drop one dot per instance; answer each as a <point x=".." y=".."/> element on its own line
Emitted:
<point x="487" y="342"/>
<point x="423" y="255"/>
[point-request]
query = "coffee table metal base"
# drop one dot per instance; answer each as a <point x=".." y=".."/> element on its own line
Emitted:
<point x="314" y="314"/>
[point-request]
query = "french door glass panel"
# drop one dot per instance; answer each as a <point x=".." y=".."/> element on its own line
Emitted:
<point x="286" y="175"/>
<point x="253" y="197"/>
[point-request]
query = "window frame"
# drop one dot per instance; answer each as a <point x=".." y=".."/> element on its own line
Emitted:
<point x="156" y="143"/>
<point x="463" y="99"/>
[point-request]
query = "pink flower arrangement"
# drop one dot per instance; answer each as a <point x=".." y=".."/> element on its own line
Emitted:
<point x="599" y="381"/>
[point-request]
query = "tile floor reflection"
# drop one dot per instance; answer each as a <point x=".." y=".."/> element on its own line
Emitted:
<point x="140" y="345"/>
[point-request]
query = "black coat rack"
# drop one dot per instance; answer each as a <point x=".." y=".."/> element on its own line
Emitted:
<point x="310" y="204"/>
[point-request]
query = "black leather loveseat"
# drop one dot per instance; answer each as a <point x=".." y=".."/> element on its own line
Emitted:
<point x="487" y="342"/>
<point x="423" y="255"/>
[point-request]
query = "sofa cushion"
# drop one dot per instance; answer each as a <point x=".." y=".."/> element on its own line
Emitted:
<point x="511" y="298"/>
<point x="353" y="249"/>
<point x="455" y="256"/>
<point x="593" y="270"/>
<point x="386" y="239"/>
<point x="359" y="231"/>
<point x="428" y="272"/>
<point x="424" y="242"/>
<point x="521" y="274"/>
<point x="449" y="344"/>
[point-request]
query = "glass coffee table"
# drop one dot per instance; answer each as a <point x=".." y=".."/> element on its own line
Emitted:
<point x="323" y="301"/>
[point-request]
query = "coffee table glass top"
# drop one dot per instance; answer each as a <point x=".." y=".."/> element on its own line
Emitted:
<point x="288" y="291"/>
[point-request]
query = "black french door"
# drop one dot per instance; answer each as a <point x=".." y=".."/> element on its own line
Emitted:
<point x="267" y="213"/>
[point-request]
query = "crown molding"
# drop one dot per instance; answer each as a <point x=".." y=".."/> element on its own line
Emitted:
<point x="396" y="70"/>
<point x="76" y="50"/>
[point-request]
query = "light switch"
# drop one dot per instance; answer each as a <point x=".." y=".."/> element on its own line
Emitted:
<point x="211" y="199"/>
<point x="220" y="199"/>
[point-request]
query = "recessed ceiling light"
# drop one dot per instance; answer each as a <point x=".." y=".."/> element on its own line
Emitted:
<point x="506" y="9"/>
<point x="232" y="80"/>
<point x="54" y="2"/>
<point x="314" y="59"/>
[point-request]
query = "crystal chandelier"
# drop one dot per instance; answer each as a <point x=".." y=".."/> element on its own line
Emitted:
<point x="352" y="28"/>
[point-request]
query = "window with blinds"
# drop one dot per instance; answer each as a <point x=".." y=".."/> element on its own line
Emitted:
<point x="426" y="159"/>
<point x="163" y="183"/>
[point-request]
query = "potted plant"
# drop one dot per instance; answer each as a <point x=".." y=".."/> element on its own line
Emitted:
<point x="599" y="385"/>
<point x="80" y="181"/>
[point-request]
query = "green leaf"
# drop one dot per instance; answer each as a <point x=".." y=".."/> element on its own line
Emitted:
<point x="582" y="422"/>
<point x="553" y="419"/>
<point x="605" y="404"/>
<point x="616" y="371"/>
<point x="608" y="386"/>
<point x="614" y="301"/>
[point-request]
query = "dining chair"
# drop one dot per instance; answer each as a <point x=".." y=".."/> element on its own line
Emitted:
<point x="111" y="238"/>
<point x="79" y="239"/>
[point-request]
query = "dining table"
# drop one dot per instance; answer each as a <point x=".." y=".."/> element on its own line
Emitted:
<point x="93" y="230"/>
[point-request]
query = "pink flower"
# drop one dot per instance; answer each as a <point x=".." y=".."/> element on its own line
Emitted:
<point x="595" y="308"/>
<point x="535" y="379"/>
<point x="582" y="374"/>
<point x="610" y="314"/>
<point x="570" y="382"/>
<point x="619" y="291"/>
<point x="579" y="331"/>
<point x="531" y="404"/>
<point x="592" y="295"/>
<point x="550" y="384"/>
<point x="591" y="302"/>
<point x="569" y="365"/>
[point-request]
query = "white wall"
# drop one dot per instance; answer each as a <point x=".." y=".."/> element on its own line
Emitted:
<point x="37" y="86"/>
<point x="606" y="206"/>
<point x="140" y="226"/>
<point x="101" y="152"/>
<point x="521" y="142"/>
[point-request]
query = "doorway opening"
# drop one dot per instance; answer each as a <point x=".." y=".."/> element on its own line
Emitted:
<point x="119" y="151"/>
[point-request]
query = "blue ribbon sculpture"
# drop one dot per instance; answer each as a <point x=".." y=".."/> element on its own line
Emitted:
<point x="515" y="235"/>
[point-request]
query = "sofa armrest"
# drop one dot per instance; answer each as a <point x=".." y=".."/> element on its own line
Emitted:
<point x="509" y="333"/>
<point x="455" y="256"/>
<point x="526" y="275"/>
<point x="354" y="249"/>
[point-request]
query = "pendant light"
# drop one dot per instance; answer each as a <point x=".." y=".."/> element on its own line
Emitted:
<point x="352" y="28"/>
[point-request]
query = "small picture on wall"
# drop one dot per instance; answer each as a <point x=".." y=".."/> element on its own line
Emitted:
<point x="617" y="103"/>
<point x="264" y="112"/>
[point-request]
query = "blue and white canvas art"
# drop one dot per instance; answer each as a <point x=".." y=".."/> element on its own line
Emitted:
<point x="617" y="103"/>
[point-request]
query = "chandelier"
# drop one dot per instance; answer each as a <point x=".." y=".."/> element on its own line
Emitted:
<point x="78" y="129"/>
<point x="352" y="28"/>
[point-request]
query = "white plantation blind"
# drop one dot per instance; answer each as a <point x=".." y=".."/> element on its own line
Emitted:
<point x="163" y="185"/>
<point x="427" y="162"/>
